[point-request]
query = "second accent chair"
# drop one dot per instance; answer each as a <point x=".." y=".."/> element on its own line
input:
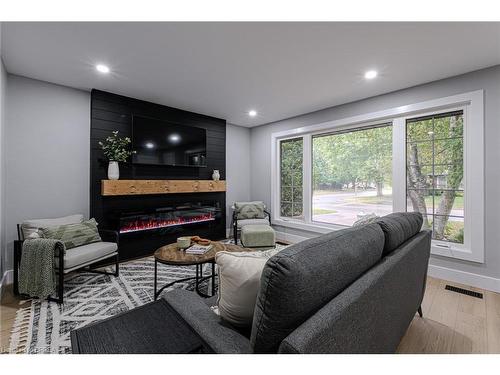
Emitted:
<point x="249" y="213"/>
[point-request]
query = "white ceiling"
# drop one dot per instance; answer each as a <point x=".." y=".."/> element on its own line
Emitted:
<point x="225" y="69"/>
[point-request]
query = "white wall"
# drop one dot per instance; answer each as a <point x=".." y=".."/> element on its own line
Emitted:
<point x="47" y="138"/>
<point x="237" y="167"/>
<point x="47" y="155"/>
<point x="487" y="79"/>
<point x="3" y="85"/>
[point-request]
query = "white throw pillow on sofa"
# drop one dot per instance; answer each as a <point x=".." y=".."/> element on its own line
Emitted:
<point x="239" y="283"/>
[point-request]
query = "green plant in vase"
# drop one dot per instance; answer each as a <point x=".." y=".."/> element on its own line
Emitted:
<point x="116" y="149"/>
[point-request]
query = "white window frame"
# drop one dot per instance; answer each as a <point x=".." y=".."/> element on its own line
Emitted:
<point x="472" y="105"/>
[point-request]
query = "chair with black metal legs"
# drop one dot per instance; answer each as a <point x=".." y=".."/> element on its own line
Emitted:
<point x="240" y="219"/>
<point x="78" y="258"/>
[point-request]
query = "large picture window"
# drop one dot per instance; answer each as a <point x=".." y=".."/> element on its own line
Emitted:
<point x="425" y="157"/>
<point x="352" y="175"/>
<point x="435" y="171"/>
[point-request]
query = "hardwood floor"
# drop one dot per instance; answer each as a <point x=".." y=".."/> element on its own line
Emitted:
<point x="9" y="304"/>
<point x="452" y="322"/>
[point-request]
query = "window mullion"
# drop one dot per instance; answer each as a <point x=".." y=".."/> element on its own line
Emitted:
<point x="399" y="165"/>
<point x="307" y="178"/>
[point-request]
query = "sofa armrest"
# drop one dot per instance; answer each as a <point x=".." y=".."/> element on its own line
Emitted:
<point x="220" y="336"/>
<point x="373" y="313"/>
<point x="108" y="235"/>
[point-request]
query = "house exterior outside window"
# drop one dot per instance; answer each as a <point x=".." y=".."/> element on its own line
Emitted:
<point x="425" y="157"/>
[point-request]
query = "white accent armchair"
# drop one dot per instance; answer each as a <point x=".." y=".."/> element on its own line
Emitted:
<point x="73" y="259"/>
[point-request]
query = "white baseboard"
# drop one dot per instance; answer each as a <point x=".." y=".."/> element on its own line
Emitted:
<point x="7" y="279"/>
<point x="466" y="278"/>
<point x="288" y="237"/>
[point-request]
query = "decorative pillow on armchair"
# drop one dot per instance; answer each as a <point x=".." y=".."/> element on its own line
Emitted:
<point x="73" y="235"/>
<point x="249" y="210"/>
<point x="31" y="227"/>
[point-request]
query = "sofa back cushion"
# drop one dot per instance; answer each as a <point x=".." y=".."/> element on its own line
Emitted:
<point x="302" y="278"/>
<point x="74" y="235"/>
<point x="399" y="227"/>
<point x="29" y="227"/>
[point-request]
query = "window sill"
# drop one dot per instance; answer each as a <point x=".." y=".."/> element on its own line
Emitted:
<point x="452" y="251"/>
<point x="456" y="252"/>
<point x="319" y="228"/>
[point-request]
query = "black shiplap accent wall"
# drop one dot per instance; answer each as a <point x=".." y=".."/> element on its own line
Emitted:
<point x="111" y="112"/>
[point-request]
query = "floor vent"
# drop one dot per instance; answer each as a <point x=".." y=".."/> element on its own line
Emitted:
<point x="464" y="291"/>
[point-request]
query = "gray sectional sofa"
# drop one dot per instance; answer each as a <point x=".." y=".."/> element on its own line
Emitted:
<point x="350" y="291"/>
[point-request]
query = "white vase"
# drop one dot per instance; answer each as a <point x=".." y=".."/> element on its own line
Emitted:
<point x="113" y="170"/>
<point x="216" y="175"/>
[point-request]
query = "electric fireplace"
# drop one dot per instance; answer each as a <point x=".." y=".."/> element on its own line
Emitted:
<point x="168" y="217"/>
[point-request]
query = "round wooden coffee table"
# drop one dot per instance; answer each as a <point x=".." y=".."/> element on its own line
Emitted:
<point x="172" y="255"/>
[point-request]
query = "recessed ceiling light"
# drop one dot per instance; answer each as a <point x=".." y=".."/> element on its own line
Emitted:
<point x="150" y="145"/>
<point x="371" y="74"/>
<point x="102" y="68"/>
<point x="252" y="113"/>
<point x="174" y="138"/>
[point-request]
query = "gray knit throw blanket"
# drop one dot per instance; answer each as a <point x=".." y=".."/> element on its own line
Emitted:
<point x="37" y="275"/>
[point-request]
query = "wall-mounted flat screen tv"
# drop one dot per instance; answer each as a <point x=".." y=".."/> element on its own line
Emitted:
<point x="163" y="143"/>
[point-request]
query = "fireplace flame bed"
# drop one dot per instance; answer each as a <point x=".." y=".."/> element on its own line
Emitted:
<point x="159" y="220"/>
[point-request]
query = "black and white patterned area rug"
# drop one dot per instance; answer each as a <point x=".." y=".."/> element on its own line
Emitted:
<point x="45" y="327"/>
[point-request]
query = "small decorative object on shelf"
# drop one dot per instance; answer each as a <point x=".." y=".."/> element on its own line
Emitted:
<point x="115" y="150"/>
<point x="113" y="170"/>
<point x="216" y="175"/>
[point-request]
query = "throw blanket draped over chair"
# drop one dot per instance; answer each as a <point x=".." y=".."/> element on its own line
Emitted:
<point x="37" y="271"/>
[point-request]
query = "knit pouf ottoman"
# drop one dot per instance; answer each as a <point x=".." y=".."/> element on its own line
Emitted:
<point x="258" y="236"/>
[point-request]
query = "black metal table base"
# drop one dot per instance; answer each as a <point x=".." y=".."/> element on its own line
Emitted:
<point x="199" y="279"/>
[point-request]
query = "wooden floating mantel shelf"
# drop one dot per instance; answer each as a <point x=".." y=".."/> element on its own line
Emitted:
<point x="143" y="187"/>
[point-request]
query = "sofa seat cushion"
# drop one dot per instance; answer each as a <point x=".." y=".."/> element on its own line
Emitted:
<point x="29" y="227"/>
<point x="302" y="278"/>
<point x="221" y="336"/>
<point x="398" y="228"/>
<point x="258" y="236"/>
<point x="242" y="223"/>
<point x="87" y="253"/>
